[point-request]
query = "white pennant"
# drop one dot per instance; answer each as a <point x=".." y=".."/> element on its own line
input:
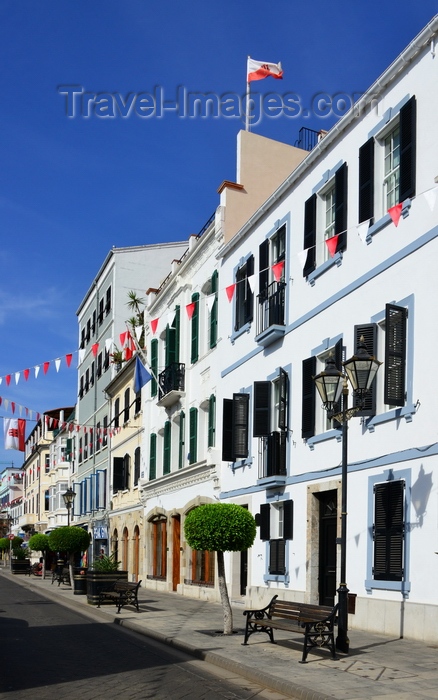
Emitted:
<point x="362" y="231"/>
<point x="6" y="403"/>
<point x="108" y="344"/>
<point x="17" y="377"/>
<point x="430" y="196"/>
<point x="37" y="371"/>
<point x="302" y="257"/>
<point x="57" y="363"/>
<point x="20" y="410"/>
<point x="138" y="330"/>
<point x="250" y="282"/>
<point x="81" y="355"/>
<point x="210" y="301"/>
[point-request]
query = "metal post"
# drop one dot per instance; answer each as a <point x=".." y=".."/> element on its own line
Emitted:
<point x="342" y="641"/>
<point x="68" y="514"/>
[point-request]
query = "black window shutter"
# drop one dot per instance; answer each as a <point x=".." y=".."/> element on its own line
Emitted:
<point x="310" y="234"/>
<point x="240" y="425"/>
<point x="263" y="270"/>
<point x="366" y="181"/>
<point x="262" y="409"/>
<point x="395" y="355"/>
<point x="369" y="333"/>
<point x="308" y="405"/>
<point x="284" y="392"/>
<point x="408" y="149"/>
<point x="341" y="198"/>
<point x="288" y="520"/>
<point x="388" y="531"/>
<point x="118" y="474"/>
<point x="265" y="521"/>
<point x="277" y="557"/>
<point x="249" y="294"/>
<point x="337" y="408"/>
<point x="227" y="431"/>
<point x="276" y="454"/>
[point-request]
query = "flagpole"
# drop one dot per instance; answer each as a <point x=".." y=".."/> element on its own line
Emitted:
<point x="247" y="125"/>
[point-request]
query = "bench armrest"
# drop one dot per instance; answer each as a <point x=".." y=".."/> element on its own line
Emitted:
<point x="261" y="613"/>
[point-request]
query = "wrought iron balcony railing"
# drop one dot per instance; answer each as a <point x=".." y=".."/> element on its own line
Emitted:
<point x="171" y="379"/>
<point x="271" y="307"/>
<point x="273" y="455"/>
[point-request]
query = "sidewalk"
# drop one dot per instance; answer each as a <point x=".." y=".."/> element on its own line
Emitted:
<point x="377" y="666"/>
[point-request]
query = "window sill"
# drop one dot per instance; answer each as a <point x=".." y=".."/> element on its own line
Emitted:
<point x="407" y="412"/>
<point x="321" y="269"/>
<point x="322" y="437"/>
<point x="243" y="329"/>
<point x="268" y="482"/>
<point x="238" y="464"/>
<point x="385" y="220"/>
<point x="277" y="578"/>
<point x="270" y="335"/>
<point x="400" y="586"/>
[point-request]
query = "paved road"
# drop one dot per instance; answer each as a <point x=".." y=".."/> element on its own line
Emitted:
<point x="49" y="651"/>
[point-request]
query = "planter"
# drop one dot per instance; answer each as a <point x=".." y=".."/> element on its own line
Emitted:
<point x="20" y="566"/>
<point x="80" y="580"/>
<point x="99" y="580"/>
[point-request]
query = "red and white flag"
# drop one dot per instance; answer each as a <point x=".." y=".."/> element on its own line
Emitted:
<point x="257" y="70"/>
<point x="14" y="430"/>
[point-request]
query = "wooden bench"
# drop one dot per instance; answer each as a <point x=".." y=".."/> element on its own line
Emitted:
<point x="316" y="622"/>
<point x="121" y="593"/>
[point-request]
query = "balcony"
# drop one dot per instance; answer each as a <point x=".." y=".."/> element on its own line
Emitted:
<point x="171" y="384"/>
<point x="270" y="317"/>
<point x="272" y="459"/>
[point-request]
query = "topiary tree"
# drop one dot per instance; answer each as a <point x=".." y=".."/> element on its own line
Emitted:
<point x="70" y="539"/>
<point x="39" y="542"/>
<point x="220" y="527"/>
<point x="17" y="550"/>
<point x="5" y="543"/>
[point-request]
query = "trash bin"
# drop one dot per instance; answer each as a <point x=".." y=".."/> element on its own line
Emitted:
<point x="80" y="580"/>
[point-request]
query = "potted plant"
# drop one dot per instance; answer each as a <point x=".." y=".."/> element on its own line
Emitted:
<point x="103" y="573"/>
<point x="117" y="358"/>
<point x="20" y="562"/>
<point x="40" y="543"/>
<point x="72" y="540"/>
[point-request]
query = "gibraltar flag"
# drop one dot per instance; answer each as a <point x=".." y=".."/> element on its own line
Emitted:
<point x="14" y="430"/>
<point x="258" y="70"/>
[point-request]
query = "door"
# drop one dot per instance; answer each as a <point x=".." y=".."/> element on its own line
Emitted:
<point x="243" y="571"/>
<point x="176" y="551"/>
<point x="328" y="522"/>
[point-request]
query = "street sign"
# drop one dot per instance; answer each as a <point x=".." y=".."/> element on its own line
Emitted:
<point x="11" y="537"/>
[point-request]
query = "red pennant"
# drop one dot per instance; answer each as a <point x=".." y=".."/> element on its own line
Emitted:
<point x="1" y="400"/>
<point x="154" y="324"/>
<point x="332" y="244"/>
<point x="13" y="406"/>
<point x="230" y="291"/>
<point x="26" y="374"/>
<point x="94" y="349"/>
<point x="8" y="379"/>
<point x="46" y="367"/>
<point x="395" y="213"/>
<point x="68" y="359"/>
<point x="122" y="338"/>
<point x="277" y="270"/>
<point x="128" y="353"/>
<point x="38" y="416"/>
<point x="190" y="308"/>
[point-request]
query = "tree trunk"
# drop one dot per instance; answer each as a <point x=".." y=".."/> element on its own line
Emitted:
<point x="228" y="613"/>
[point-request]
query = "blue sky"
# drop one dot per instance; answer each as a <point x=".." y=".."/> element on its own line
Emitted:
<point x="72" y="187"/>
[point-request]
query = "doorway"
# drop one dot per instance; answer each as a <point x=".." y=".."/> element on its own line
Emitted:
<point x="176" y="551"/>
<point x="328" y="523"/>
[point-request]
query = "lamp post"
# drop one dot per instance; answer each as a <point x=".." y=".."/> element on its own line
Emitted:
<point x="361" y="370"/>
<point x="69" y="497"/>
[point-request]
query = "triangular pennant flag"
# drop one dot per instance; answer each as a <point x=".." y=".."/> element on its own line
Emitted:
<point x="277" y="270"/>
<point x="154" y="324"/>
<point x="230" y="291"/>
<point x="46" y="367"/>
<point x="332" y="244"/>
<point x="108" y="344"/>
<point x="395" y="213"/>
<point x="128" y="353"/>
<point x="20" y="410"/>
<point x="122" y="339"/>
<point x="362" y="231"/>
<point x="68" y="359"/>
<point x="430" y="196"/>
<point x="26" y="374"/>
<point x="250" y="282"/>
<point x="190" y="308"/>
<point x="37" y="371"/>
<point x="57" y="363"/>
<point x="13" y="406"/>
<point x="17" y="377"/>
<point x="6" y="403"/>
<point x="8" y="379"/>
<point x="138" y="330"/>
<point x="210" y="301"/>
<point x="94" y="349"/>
<point x="141" y="375"/>
<point x="302" y="257"/>
<point x="81" y="355"/>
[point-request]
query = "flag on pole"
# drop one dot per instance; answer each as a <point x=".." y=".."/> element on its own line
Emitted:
<point x="141" y="375"/>
<point x="257" y="70"/>
<point x="14" y="431"/>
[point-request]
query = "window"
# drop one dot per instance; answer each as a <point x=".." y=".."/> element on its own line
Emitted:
<point x="153" y="457"/>
<point x="106" y="361"/>
<point x="99" y="365"/>
<point x="98" y="438"/>
<point x="235" y="421"/>
<point x="105" y="431"/>
<point x="116" y="413"/>
<point x="388" y="531"/>
<point x="181" y="443"/>
<point x="92" y="374"/>
<point x="82" y="345"/>
<point x="80" y="450"/>
<point x="276" y="526"/>
<point x="101" y="310"/>
<point x="108" y="301"/>
<point x="87" y="380"/>
<point x="397" y="147"/>
<point x="395" y="355"/>
<point x="126" y="406"/>
<point x="88" y="333"/>
<point x="47" y="500"/>
<point x="86" y="446"/>
<point x="93" y="324"/>
<point x="211" y="420"/>
<point x="325" y="215"/>
<point x="203" y="568"/>
<point x="167" y="447"/>
<point x="154" y="366"/>
<point x="121" y="473"/>
<point x="244" y="295"/>
<point x="193" y="435"/>
<point x="270" y="424"/>
<point x="195" y="329"/>
<point x="271" y="296"/>
<point x="137" y="461"/>
<point x="81" y="387"/>
<point x="214" y="309"/>
<point x="159" y="548"/>
<point x="313" y="420"/>
<point x="137" y="405"/>
<point x="91" y="442"/>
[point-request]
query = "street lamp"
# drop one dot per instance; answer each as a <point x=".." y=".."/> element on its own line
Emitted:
<point x="69" y="497"/>
<point x="361" y="370"/>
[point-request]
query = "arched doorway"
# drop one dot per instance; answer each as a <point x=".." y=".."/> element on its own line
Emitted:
<point x="136" y="553"/>
<point x="125" y="552"/>
<point x="115" y="544"/>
